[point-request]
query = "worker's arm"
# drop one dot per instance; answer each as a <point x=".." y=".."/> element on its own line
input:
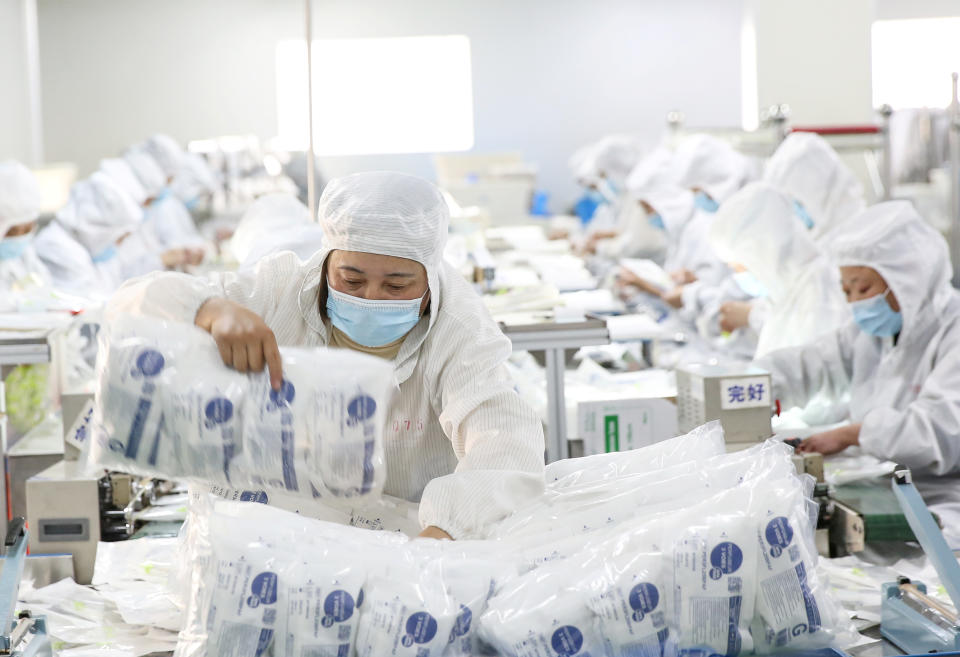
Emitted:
<point x="234" y="307"/>
<point x="497" y="438"/>
<point x="925" y="436"/>
<point x="799" y="373"/>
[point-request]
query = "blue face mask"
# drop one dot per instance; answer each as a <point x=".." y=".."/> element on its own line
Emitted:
<point x="876" y="317"/>
<point x="106" y="255"/>
<point x="13" y="247"/>
<point x="656" y="221"/>
<point x="705" y="203"/>
<point x="804" y="216"/>
<point x="372" y="323"/>
<point x="750" y="284"/>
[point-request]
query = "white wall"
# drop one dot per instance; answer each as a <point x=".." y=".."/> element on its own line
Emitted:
<point x="549" y="75"/>
<point x="897" y="9"/>
<point x="14" y="108"/>
<point x="814" y="55"/>
<point x="115" y="71"/>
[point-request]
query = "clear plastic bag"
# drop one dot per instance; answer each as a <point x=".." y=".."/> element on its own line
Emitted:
<point x="167" y="406"/>
<point x="703" y="442"/>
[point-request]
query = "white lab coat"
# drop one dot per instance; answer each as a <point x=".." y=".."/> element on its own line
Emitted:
<point x="907" y="396"/>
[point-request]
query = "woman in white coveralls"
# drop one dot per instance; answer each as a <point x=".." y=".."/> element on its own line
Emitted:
<point x="458" y="438"/>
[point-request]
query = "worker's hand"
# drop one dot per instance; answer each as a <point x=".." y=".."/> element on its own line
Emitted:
<point x="558" y="234"/>
<point x="734" y="315"/>
<point x="435" y="532"/>
<point x="674" y="297"/>
<point x="683" y="277"/>
<point x="193" y="255"/>
<point x="625" y="278"/>
<point x="173" y="258"/>
<point x="245" y="341"/>
<point x="831" y="442"/>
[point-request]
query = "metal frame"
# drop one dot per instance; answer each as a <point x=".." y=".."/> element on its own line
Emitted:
<point x="554" y="339"/>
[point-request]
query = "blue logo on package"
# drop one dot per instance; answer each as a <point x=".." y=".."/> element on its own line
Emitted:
<point x="567" y="641"/>
<point x="779" y="534"/>
<point x="462" y="626"/>
<point x="644" y="598"/>
<point x="150" y="362"/>
<point x="284" y="395"/>
<point x="726" y="558"/>
<point x="218" y="411"/>
<point x="263" y="590"/>
<point x="360" y="408"/>
<point x="258" y="496"/>
<point x="338" y="608"/>
<point x="266" y="637"/>
<point x="421" y="628"/>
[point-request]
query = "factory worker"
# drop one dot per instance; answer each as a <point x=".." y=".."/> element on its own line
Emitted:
<point x="20" y="267"/>
<point x="641" y="231"/>
<point x="899" y="361"/>
<point x="826" y="192"/>
<point x="165" y="215"/>
<point x="602" y="168"/>
<point x="713" y="170"/>
<point x="194" y="183"/>
<point x="798" y="283"/>
<point x="459" y="439"/>
<point x="167" y="153"/>
<point x="107" y="223"/>
<point x="274" y="223"/>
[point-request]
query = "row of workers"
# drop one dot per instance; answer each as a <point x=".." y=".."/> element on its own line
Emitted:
<point x="130" y="217"/>
<point x="850" y="307"/>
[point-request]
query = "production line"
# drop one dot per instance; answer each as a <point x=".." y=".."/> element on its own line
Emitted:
<point x="490" y="346"/>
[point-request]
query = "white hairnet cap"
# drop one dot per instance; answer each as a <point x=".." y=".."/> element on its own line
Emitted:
<point x="655" y="180"/>
<point x="806" y="168"/>
<point x="99" y="212"/>
<point x="912" y="257"/>
<point x="167" y="152"/>
<point x="758" y="228"/>
<point x="712" y="165"/>
<point x="612" y="157"/>
<point x="386" y="213"/>
<point x="121" y="173"/>
<point x="20" y="197"/>
<point x="148" y="172"/>
<point x="268" y="215"/>
<point x="194" y="178"/>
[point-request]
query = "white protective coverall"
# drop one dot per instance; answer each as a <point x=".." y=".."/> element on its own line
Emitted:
<point x="808" y="170"/>
<point x="20" y="202"/>
<point x="714" y="166"/>
<point x="274" y="223"/>
<point x="758" y="228"/>
<point x="905" y="394"/>
<point x="652" y="180"/>
<point x="458" y="437"/>
<point x="98" y="214"/>
<point x="165" y="215"/>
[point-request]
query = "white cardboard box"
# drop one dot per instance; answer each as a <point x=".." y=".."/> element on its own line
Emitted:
<point x="619" y="425"/>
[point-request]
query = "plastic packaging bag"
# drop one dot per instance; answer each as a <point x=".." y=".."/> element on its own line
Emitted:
<point x="167" y="406"/>
<point x="703" y="442"/>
